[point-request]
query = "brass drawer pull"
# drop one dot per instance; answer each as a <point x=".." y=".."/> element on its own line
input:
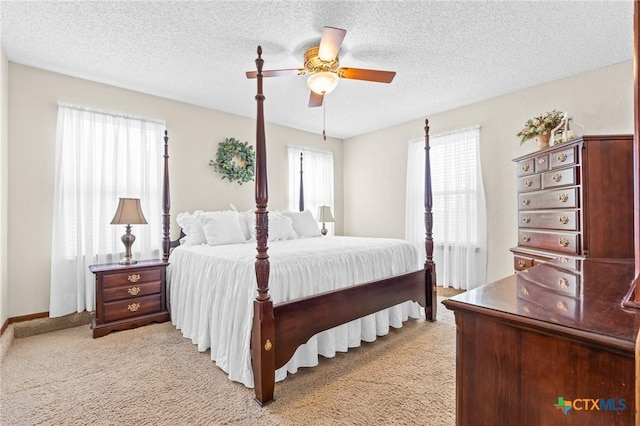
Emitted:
<point x="562" y="306"/>
<point x="525" y="167"/>
<point x="563" y="283"/>
<point x="526" y="238"/>
<point x="134" y="291"/>
<point x="522" y="263"/>
<point x="564" y="260"/>
<point x="541" y="160"/>
<point x="564" y="242"/>
<point x="525" y="292"/>
<point x="526" y="219"/>
<point x="528" y="183"/>
<point x="562" y="157"/>
<point x="526" y="201"/>
<point x="133" y="278"/>
<point x="133" y="307"/>
<point x="563" y="220"/>
<point x="556" y="177"/>
<point x="563" y="198"/>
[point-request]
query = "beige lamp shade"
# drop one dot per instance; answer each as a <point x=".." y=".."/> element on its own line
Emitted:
<point x="324" y="214"/>
<point x="129" y="212"/>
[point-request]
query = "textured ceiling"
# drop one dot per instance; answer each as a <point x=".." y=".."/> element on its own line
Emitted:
<point x="446" y="54"/>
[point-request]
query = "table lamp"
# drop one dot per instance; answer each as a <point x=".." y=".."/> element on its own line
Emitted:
<point x="128" y="213"/>
<point x="324" y="215"/>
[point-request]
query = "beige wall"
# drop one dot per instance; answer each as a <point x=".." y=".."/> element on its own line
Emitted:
<point x="194" y="135"/>
<point x="375" y="163"/>
<point x="4" y="280"/>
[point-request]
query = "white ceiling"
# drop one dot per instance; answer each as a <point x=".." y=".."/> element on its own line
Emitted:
<point x="446" y="54"/>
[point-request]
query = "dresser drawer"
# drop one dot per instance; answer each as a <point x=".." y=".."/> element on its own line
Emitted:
<point x="529" y="183"/>
<point x="556" y="306"/>
<point x="521" y="263"/>
<point x="564" y="157"/>
<point x="129" y="278"/>
<point x="556" y="178"/>
<point x="554" y="241"/>
<point x="541" y="163"/>
<point x="554" y="199"/>
<point x="560" y="280"/>
<point x="552" y="219"/>
<point x="526" y="167"/>
<point x="129" y="308"/>
<point x="110" y="294"/>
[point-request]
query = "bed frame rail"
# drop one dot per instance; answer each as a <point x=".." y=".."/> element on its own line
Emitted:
<point x="302" y="318"/>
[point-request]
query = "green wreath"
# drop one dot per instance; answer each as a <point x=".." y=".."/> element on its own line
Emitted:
<point x="235" y="160"/>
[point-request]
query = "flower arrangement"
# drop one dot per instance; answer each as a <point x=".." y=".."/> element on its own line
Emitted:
<point x="235" y="160"/>
<point x="540" y="125"/>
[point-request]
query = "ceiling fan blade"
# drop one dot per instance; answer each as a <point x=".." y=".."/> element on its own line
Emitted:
<point x="330" y="43"/>
<point x="315" y="100"/>
<point x="368" y="75"/>
<point x="277" y="73"/>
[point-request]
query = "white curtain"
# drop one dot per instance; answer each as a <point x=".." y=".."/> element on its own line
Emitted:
<point x="317" y="177"/>
<point x="459" y="211"/>
<point x="100" y="157"/>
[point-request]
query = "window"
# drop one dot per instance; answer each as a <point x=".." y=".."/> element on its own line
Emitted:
<point x="317" y="177"/>
<point x="100" y="157"/>
<point x="459" y="217"/>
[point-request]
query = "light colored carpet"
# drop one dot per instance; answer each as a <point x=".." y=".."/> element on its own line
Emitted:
<point x="152" y="375"/>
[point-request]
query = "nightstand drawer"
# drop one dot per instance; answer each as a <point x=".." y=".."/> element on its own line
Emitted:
<point x="110" y="294"/>
<point x="132" y="277"/>
<point x="124" y="309"/>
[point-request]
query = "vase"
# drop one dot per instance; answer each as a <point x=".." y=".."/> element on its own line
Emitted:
<point x="543" y="140"/>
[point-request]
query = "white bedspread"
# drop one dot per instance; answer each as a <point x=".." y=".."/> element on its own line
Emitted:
<point x="212" y="288"/>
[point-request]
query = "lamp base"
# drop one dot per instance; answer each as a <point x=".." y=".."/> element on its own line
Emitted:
<point x="324" y="230"/>
<point x="128" y="261"/>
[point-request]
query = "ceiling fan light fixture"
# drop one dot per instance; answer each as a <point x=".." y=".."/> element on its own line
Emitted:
<point x="323" y="82"/>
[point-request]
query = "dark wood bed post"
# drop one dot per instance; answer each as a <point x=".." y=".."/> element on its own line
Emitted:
<point x="430" y="266"/>
<point x="263" y="332"/>
<point x="301" y="203"/>
<point x="166" y="202"/>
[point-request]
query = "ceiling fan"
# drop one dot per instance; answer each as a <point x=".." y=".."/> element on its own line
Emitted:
<point x="323" y="65"/>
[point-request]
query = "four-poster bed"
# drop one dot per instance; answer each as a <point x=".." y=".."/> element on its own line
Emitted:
<point x="279" y="329"/>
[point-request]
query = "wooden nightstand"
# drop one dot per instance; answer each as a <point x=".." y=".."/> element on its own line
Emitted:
<point x="129" y="296"/>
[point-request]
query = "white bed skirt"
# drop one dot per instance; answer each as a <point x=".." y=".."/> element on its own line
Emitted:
<point x="212" y="288"/>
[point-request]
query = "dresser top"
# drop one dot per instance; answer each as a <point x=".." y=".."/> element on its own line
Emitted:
<point x="572" y="142"/>
<point x="600" y="319"/>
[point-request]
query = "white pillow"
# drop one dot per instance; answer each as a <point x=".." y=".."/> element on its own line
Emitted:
<point x="192" y="227"/>
<point x="304" y="224"/>
<point x="222" y="228"/>
<point x="248" y="223"/>
<point x="280" y="228"/>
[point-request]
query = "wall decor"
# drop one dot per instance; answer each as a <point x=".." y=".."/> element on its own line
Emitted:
<point x="235" y="160"/>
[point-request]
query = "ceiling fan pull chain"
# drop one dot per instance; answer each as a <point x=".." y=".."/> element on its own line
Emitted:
<point x="324" y="119"/>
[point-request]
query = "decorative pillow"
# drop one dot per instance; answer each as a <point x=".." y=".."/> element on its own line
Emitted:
<point x="222" y="228"/>
<point x="280" y="228"/>
<point x="304" y="223"/>
<point x="192" y="227"/>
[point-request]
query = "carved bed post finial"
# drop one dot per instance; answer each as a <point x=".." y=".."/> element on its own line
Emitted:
<point x="166" y="202"/>
<point x="430" y="266"/>
<point x="263" y="344"/>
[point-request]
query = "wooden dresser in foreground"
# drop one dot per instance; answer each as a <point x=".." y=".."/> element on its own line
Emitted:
<point x="531" y="351"/>
<point x="574" y="200"/>
<point x="129" y="296"/>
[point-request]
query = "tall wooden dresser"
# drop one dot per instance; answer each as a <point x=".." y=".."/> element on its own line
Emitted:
<point x="552" y="344"/>
<point x="573" y="200"/>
